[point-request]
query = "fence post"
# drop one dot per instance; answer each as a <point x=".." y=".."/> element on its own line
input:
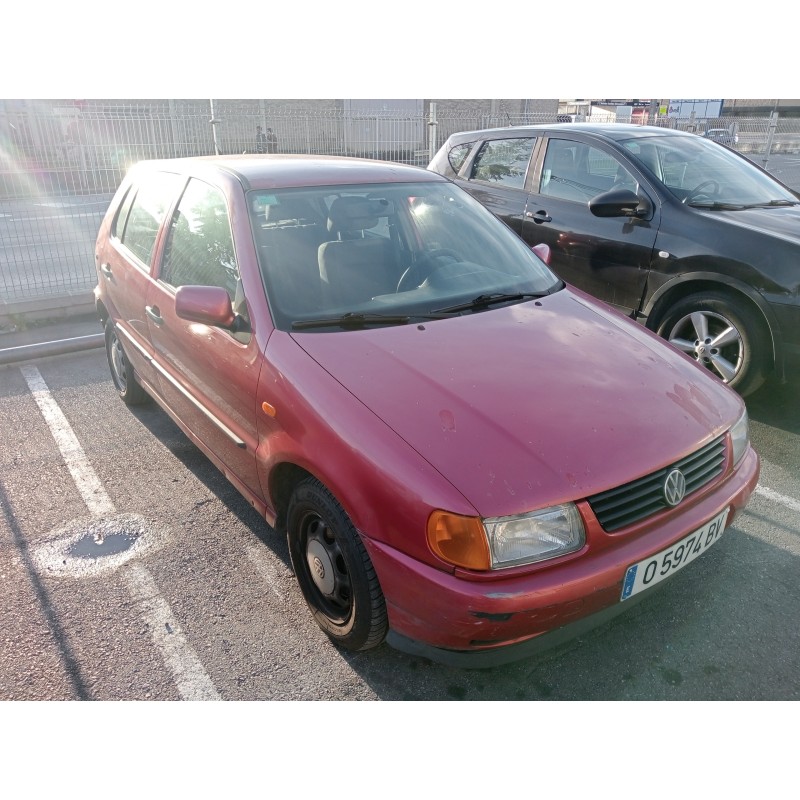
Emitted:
<point x="773" y="125"/>
<point x="214" y="122"/>
<point x="177" y="145"/>
<point x="432" y="126"/>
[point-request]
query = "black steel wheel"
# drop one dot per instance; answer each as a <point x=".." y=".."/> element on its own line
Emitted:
<point x="122" y="372"/>
<point x="724" y="335"/>
<point x="334" y="570"/>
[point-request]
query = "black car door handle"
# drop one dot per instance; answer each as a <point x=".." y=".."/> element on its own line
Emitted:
<point x="106" y="270"/>
<point x="154" y="314"/>
<point x="539" y="216"/>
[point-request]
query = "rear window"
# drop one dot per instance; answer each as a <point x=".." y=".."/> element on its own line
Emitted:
<point x="143" y="212"/>
<point x="458" y="155"/>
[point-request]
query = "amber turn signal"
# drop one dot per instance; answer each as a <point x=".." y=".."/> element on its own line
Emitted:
<point x="459" y="540"/>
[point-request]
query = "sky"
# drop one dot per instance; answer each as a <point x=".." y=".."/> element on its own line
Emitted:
<point x="362" y="49"/>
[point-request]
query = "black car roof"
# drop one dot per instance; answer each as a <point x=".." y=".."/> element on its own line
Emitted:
<point x="612" y="130"/>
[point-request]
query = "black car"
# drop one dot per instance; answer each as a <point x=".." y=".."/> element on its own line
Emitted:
<point x="691" y="238"/>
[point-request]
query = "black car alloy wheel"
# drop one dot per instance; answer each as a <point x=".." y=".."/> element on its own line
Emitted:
<point x="724" y="335"/>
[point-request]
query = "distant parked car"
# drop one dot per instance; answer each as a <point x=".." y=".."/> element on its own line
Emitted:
<point x="723" y="136"/>
<point x="464" y="454"/>
<point x="688" y="237"/>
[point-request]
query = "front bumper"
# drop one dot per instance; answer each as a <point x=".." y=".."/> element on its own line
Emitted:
<point x="472" y="622"/>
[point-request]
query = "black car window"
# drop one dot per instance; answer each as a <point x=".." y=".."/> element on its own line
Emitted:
<point x="503" y="162"/>
<point x="701" y="172"/>
<point x="458" y="155"/>
<point x="147" y="213"/>
<point x="199" y="249"/>
<point x="577" y="171"/>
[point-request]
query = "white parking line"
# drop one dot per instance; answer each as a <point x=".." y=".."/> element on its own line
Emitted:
<point x="190" y="677"/>
<point x="778" y="498"/>
<point x="188" y="673"/>
<point x="86" y="481"/>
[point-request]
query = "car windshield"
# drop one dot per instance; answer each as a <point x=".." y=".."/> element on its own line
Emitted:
<point x="701" y="173"/>
<point x="337" y="256"/>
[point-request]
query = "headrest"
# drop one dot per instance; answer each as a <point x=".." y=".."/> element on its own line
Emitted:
<point x="564" y="158"/>
<point x="290" y="209"/>
<point x="352" y="214"/>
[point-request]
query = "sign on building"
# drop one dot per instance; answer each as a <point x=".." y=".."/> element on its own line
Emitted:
<point x="683" y="109"/>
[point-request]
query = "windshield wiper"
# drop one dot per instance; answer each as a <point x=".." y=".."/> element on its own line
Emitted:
<point x="353" y="319"/>
<point x="485" y="300"/>
<point x="774" y="204"/>
<point x="721" y="206"/>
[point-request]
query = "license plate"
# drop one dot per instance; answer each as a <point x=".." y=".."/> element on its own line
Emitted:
<point x="651" y="570"/>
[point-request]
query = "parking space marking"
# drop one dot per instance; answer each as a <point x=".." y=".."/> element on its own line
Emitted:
<point x="191" y="679"/>
<point x="187" y="671"/>
<point x="86" y="480"/>
<point x="778" y="498"/>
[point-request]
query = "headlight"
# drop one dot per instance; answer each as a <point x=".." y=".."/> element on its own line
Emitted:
<point x="534" y="537"/>
<point x="740" y="436"/>
<point x="499" y="542"/>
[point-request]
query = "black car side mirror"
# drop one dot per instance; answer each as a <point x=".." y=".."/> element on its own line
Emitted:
<point x="619" y="203"/>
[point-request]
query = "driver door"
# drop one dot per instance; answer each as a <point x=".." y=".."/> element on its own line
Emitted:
<point x="607" y="257"/>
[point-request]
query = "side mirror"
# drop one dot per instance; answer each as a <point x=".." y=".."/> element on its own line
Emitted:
<point x="209" y="305"/>
<point x="619" y="203"/>
<point x="543" y="251"/>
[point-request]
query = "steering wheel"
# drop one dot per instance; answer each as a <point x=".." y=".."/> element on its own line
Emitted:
<point x="698" y="190"/>
<point x="421" y="269"/>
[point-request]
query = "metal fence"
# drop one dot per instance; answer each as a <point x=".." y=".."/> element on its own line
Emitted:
<point x="59" y="166"/>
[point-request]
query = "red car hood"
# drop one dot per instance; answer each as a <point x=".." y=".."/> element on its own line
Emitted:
<point x="532" y="404"/>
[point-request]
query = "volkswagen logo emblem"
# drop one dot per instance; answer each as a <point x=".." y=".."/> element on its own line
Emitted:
<point x="674" y="487"/>
<point x="319" y="568"/>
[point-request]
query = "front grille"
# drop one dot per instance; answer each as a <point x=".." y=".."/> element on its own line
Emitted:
<point x="638" y="499"/>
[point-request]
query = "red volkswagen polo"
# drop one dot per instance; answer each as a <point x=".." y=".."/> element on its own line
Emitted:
<point x="461" y="459"/>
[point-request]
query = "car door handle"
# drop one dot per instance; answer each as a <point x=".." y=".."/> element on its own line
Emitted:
<point x="539" y="216"/>
<point x="106" y="270"/>
<point x="154" y="314"/>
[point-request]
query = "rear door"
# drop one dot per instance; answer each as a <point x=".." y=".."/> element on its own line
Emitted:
<point x="126" y="261"/>
<point x="496" y="177"/>
<point x="607" y="257"/>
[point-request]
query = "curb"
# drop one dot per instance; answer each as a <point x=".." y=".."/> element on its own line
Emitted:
<point x="24" y="352"/>
<point x="61" y="307"/>
<point x="58" y="313"/>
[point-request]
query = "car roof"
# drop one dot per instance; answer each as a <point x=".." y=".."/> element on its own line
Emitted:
<point x="283" y="171"/>
<point x="614" y="131"/>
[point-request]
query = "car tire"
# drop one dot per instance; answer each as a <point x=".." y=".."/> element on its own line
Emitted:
<point x="742" y="359"/>
<point x="333" y="569"/>
<point x="125" y="382"/>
